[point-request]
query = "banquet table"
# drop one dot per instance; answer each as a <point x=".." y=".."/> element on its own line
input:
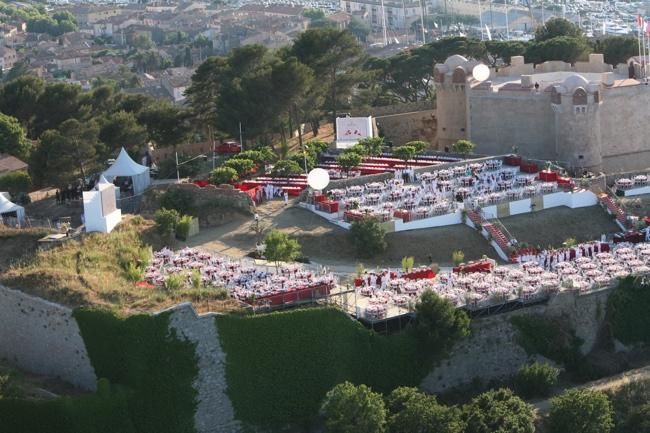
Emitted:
<point x="329" y="206"/>
<point x="402" y="214"/>
<point x="548" y="176"/>
<point x="528" y="167"/>
<point x="512" y="160"/>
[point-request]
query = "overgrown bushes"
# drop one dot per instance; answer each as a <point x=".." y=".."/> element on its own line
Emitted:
<point x="180" y="200"/>
<point x="581" y="411"/>
<point x="368" y="237"/>
<point x="536" y="380"/>
<point x="628" y="308"/>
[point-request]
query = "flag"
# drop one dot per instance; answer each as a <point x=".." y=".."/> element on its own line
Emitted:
<point x="639" y="21"/>
<point x="489" y="35"/>
<point x="646" y="27"/>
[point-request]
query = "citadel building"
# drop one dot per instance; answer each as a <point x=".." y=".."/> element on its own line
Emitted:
<point x="587" y="116"/>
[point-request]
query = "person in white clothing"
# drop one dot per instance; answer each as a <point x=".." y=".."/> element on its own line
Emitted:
<point x="286" y="198"/>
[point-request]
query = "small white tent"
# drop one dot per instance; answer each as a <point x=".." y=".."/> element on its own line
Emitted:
<point x="10" y="209"/>
<point x="124" y="166"/>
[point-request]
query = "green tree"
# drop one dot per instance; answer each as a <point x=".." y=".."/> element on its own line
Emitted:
<point x="353" y="409"/>
<point x="334" y="56"/>
<point x="142" y="42"/>
<point x="557" y="27"/>
<point x="317" y="146"/>
<point x="374" y="145"/>
<point x="280" y="248"/>
<point x="564" y="48"/>
<point x="16" y="182"/>
<point x="243" y="167"/>
<point x="314" y="13"/>
<point x="536" y="380"/>
<point x="439" y="323"/>
<point x="405" y="153"/>
<point x="166" y="221"/>
<point x="348" y="161"/>
<point x="581" y="411"/>
<point x="499" y="411"/>
<point x="286" y="167"/>
<point x="359" y="29"/>
<point x="368" y="237"/>
<point x="618" y="49"/>
<point x="420" y="146"/>
<point x="166" y="123"/>
<point x="221" y="175"/>
<point x="19" y="98"/>
<point x="179" y="200"/>
<point x="501" y="52"/>
<point x="463" y="147"/>
<point x="636" y="421"/>
<point x="122" y="129"/>
<point x="12" y="137"/>
<point x="58" y="103"/>
<point x="421" y="413"/>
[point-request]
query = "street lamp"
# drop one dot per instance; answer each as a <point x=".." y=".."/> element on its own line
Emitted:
<point x="178" y="176"/>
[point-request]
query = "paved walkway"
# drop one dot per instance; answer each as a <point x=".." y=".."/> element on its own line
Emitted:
<point x="606" y="384"/>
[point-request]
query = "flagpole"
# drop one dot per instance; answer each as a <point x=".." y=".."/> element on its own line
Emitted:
<point x="480" y="17"/>
<point x="638" y="38"/>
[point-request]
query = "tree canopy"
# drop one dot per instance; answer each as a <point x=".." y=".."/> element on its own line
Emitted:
<point x="353" y="409"/>
<point x="581" y="411"/>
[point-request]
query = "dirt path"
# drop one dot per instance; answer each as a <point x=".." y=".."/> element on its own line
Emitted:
<point x="328" y="244"/>
<point x="606" y="384"/>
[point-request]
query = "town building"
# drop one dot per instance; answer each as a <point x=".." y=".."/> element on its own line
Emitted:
<point x="399" y="14"/>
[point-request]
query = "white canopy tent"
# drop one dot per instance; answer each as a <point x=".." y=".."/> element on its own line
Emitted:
<point x="8" y="208"/>
<point x="124" y="166"/>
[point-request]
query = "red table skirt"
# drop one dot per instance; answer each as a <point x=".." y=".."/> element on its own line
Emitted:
<point x="564" y="181"/>
<point x="297" y="295"/>
<point x="403" y="215"/>
<point x="548" y="176"/>
<point x="481" y="266"/>
<point x="631" y="236"/>
<point x="201" y="183"/>
<point x="320" y="198"/>
<point x="420" y="275"/>
<point x="328" y="206"/>
<point x="352" y="216"/>
<point x="646" y="220"/>
<point x="528" y="167"/>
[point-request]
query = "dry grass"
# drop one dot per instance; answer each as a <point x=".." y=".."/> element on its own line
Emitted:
<point x="16" y="245"/>
<point x="92" y="272"/>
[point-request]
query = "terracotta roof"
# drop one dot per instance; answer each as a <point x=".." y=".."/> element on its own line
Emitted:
<point x="10" y="163"/>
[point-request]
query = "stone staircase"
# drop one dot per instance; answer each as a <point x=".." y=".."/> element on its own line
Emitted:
<point x="494" y="230"/>
<point x="607" y="201"/>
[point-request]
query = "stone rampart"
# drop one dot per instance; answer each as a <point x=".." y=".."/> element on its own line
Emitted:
<point x="43" y="338"/>
<point x="492" y="351"/>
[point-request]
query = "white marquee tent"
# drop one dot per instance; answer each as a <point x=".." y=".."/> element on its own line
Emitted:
<point x="124" y="166"/>
<point x="8" y="208"/>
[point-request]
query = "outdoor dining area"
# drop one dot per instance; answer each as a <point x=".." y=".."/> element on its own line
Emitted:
<point x="483" y="286"/>
<point x="245" y="281"/>
<point x="434" y="193"/>
<point x="634" y="185"/>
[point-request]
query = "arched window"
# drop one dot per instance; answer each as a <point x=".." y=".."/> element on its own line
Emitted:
<point x="459" y="75"/>
<point x="580" y="96"/>
<point x="556" y="97"/>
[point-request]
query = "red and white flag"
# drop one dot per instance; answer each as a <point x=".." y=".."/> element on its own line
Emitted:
<point x="646" y="27"/>
<point x="639" y="21"/>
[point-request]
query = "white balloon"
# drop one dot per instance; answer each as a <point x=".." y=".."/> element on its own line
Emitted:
<point x="318" y="178"/>
<point x="481" y="72"/>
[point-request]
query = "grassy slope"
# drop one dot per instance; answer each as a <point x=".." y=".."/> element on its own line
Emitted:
<point x="91" y="272"/>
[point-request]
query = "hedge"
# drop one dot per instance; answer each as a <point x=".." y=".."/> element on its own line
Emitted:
<point x="280" y="366"/>
<point x="141" y="353"/>
<point x="151" y="368"/>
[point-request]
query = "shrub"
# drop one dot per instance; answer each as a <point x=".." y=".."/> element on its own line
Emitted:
<point x="317" y="146"/>
<point x="405" y="153"/>
<point x="374" y="145"/>
<point x="183" y="227"/>
<point x="628" y="308"/>
<point x="439" y="323"/>
<point x="368" y="237"/>
<point x="348" y="161"/>
<point x="196" y="280"/>
<point x="178" y="199"/>
<point x="144" y="355"/>
<point x="628" y="397"/>
<point x="133" y="272"/>
<point x="463" y="147"/>
<point x="16" y="182"/>
<point x="222" y="175"/>
<point x="407" y="263"/>
<point x="174" y="282"/>
<point x="285" y="167"/>
<point x="166" y="221"/>
<point x="457" y="257"/>
<point x="299" y="159"/>
<point x="357" y="149"/>
<point x="637" y="420"/>
<point x="241" y="166"/>
<point x="280" y="248"/>
<point x="420" y="146"/>
<point x="549" y="338"/>
<point x="499" y="411"/>
<point x="353" y="409"/>
<point x="8" y="387"/>
<point x="536" y="380"/>
<point x="581" y="411"/>
<point x="254" y="155"/>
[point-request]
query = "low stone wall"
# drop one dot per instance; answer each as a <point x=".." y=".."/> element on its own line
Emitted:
<point x="407" y="107"/>
<point x="404" y="127"/>
<point x="43" y="338"/>
<point x="492" y="351"/>
<point x="210" y="202"/>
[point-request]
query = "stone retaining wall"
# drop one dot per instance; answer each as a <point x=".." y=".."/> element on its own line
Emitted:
<point x="492" y="350"/>
<point x="43" y="338"/>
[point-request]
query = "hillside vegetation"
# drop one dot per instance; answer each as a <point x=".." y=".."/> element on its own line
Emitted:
<point x="101" y="270"/>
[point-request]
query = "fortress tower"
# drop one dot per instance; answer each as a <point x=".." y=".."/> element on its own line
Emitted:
<point x="452" y="82"/>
